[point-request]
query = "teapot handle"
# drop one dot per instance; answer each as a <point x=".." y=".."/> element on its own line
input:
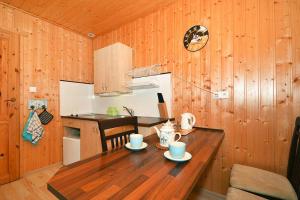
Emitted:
<point x="177" y="133"/>
<point x="193" y="120"/>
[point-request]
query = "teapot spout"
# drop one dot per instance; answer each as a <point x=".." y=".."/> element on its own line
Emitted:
<point x="157" y="131"/>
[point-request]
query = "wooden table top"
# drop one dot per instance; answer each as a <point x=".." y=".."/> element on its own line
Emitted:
<point x="123" y="174"/>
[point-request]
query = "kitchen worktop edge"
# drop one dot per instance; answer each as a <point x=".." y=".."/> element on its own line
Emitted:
<point x="142" y="121"/>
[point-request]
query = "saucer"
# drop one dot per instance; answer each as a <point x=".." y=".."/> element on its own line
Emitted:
<point x="128" y="146"/>
<point x="187" y="156"/>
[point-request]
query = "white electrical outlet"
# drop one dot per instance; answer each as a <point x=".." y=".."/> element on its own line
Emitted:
<point x="221" y="95"/>
<point x="32" y="89"/>
<point x="37" y="103"/>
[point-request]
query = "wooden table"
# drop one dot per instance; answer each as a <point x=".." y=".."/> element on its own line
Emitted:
<point x="124" y="174"/>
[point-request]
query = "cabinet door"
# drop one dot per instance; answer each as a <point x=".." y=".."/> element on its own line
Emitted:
<point x="112" y="64"/>
<point x="101" y="68"/>
<point x="121" y="64"/>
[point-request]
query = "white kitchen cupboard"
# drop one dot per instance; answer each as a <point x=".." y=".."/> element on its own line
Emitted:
<point x="111" y="67"/>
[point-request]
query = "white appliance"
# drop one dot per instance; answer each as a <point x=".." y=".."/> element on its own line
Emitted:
<point x="188" y="121"/>
<point x="71" y="150"/>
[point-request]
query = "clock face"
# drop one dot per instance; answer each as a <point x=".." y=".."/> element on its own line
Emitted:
<point x="195" y="38"/>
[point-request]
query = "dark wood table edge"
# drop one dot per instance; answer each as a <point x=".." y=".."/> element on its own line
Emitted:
<point x="208" y="162"/>
<point x="208" y="128"/>
<point x="163" y="120"/>
<point x="55" y="192"/>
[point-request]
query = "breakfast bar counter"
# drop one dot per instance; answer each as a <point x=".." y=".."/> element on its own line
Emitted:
<point x="142" y="121"/>
<point x="125" y="174"/>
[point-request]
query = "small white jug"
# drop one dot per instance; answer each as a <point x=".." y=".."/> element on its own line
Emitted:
<point x="188" y="120"/>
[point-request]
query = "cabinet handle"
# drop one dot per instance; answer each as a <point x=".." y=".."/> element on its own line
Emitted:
<point x="2" y="156"/>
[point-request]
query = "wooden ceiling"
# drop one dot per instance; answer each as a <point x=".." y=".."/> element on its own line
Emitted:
<point x="84" y="16"/>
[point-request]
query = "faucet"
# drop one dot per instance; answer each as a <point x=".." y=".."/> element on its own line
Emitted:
<point x="129" y="110"/>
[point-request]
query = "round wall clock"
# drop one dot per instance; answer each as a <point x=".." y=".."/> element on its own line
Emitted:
<point x="195" y="38"/>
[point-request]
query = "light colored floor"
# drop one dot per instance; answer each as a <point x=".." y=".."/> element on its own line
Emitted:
<point x="33" y="187"/>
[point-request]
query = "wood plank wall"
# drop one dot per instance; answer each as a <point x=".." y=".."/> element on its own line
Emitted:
<point x="253" y="52"/>
<point x="48" y="53"/>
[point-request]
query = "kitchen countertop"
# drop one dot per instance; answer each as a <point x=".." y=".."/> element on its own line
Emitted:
<point x="142" y="121"/>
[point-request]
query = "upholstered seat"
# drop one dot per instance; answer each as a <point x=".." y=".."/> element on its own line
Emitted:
<point x="236" y="194"/>
<point x="261" y="182"/>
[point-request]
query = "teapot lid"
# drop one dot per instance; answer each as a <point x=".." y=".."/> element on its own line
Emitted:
<point x="168" y="125"/>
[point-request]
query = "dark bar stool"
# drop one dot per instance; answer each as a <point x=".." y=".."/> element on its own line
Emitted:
<point x="268" y="184"/>
<point x="117" y="138"/>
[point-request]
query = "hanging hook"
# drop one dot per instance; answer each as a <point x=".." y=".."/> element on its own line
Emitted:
<point x="32" y="108"/>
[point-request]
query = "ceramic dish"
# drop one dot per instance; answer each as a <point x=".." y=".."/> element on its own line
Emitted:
<point x="187" y="156"/>
<point x="128" y="146"/>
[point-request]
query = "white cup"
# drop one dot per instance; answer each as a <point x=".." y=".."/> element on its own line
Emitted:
<point x="177" y="149"/>
<point x="136" y="140"/>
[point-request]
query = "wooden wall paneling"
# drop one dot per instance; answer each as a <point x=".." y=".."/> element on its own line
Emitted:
<point x="240" y="135"/>
<point x="132" y="34"/>
<point x="167" y="34"/>
<point x="150" y="40"/>
<point x="57" y="36"/>
<point x="89" y="60"/>
<point x="23" y="44"/>
<point x="266" y="90"/>
<point x="283" y="65"/>
<point x="4" y="122"/>
<point x="295" y="5"/>
<point x="6" y="18"/>
<point x="205" y="82"/>
<point x="148" y="26"/>
<point x="77" y="56"/>
<point x="14" y="92"/>
<point x="163" y="39"/>
<point x="251" y="80"/>
<point x="177" y="70"/>
<point x="187" y="59"/>
<point x="27" y="64"/>
<point x="240" y="57"/>
<point x="170" y="63"/>
<point x="157" y="39"/>
<point x="227" y="84"/>
<point x="195" y="65"/>
<point x="205" y="67"/>
<point x="215" y="81"/>
<point x="79" y="59"/>
<point x="43" y="58"/>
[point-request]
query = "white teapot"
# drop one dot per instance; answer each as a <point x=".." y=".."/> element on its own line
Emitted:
<point x="188" y="120"/>
<point x="167" y="134"/>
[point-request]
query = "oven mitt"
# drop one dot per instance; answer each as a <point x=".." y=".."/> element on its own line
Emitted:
<point x="45" y="117"/>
